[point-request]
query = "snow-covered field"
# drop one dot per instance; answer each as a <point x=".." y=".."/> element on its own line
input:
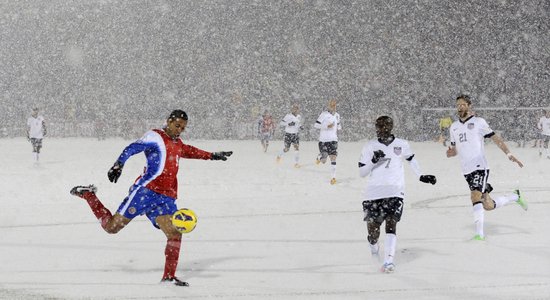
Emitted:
<point x="267" y="230"/>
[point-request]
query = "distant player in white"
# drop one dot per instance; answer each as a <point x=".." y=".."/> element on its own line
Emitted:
<point x="544" y="127"/>
<point x="292" y="123"/>
<point x="329" y="124"/>
<point x="467" y="140"/>
<point x="36" y="130"/>
<point x="382" y="160"/>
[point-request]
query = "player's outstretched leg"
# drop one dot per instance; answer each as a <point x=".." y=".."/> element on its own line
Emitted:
<point x="88" y="193"/>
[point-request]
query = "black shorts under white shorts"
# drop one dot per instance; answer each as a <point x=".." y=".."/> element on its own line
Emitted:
<point x="376" y="211"/>
<point x="477" y="180"/>
<point x="331" y="148"/>
<point x="291" y="138"/>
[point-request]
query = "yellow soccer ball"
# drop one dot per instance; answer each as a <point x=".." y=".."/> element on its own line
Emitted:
<point x="184" y="220"/>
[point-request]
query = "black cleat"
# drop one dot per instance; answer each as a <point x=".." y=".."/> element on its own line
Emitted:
<point x="174" y="281"/>
<point x="80" y="190"/>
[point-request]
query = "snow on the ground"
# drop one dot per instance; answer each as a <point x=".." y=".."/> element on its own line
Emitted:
<point x="267" y="230"/>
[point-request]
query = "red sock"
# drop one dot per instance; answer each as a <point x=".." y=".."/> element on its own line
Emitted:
<point x="172" y="254"/>
<point x="100" y="212"/>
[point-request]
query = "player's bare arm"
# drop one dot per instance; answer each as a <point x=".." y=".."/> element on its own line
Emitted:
<point x="500" y="143"/>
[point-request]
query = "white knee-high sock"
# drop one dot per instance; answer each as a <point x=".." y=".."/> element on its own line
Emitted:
<point x="333" y="169"/>
<point x="479" y="216"/>
<point x="500" y="201"/>
<point x="389" y="247"/>
<point x="297" y="156"/>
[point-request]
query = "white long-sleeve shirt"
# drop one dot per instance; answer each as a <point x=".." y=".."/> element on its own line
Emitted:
<point x="386" y="178"/>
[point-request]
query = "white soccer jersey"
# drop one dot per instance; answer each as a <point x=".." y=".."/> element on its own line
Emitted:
<point x="328" y="134"/>
<point x="35" y="126"/>
<point x="291" y="123"/>
<point x="386" y="178"/>
<point x="544" y="125"/>
<point x="468" y="138"/>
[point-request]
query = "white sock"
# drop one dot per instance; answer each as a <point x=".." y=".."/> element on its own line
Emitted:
<point x="297" y="156"/>
<point x="374" y="248"/>
<point x="389" y="247"/>
<point x="35" y="156"/>
<point x="479" y="214"/>
<point x="281" y="153"/>
<point x="333" y="169"/>
<point x="500" y="201"/>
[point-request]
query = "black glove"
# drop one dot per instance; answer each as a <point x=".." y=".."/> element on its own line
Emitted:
<point x="291" y="124"/>
<point x="428" y="179"/>
<point x="115" y="171"/>
<point x="222" y="155"/>
<point x="378" y="154"/>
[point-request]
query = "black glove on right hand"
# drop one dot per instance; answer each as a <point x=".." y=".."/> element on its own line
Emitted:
<point x="378" y="154"/>
<point x="222" y="155"/>
<point x="428" y="179"/>
<point x="115" y="171"/>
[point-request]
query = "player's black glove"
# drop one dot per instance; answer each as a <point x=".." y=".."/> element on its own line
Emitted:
<point x="428" y="179"/>
<point x="115" y="171"/>
<point x="222" y="155"/>
<point x="378" y="154"/>
<point x="291" y="124"/>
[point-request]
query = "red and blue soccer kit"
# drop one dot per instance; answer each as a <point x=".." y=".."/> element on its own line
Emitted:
<point x="155" y="191"/>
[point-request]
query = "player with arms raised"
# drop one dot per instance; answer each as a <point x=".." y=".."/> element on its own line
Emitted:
<point x="382" y="161"/>
<point x="154" y="193"/>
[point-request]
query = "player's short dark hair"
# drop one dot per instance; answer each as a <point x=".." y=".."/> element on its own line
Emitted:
<point x="384" y="121"/>
<point x="465" y="98"/>
<point x="178" y="114"/>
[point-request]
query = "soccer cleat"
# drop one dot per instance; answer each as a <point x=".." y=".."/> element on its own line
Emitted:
<point x="521" y="202"/>
<point x="297" y="166"/>
<point x="478" y="237"/>
<point x="174" y="281"/>
<point x="317" y="161"/>
<point x="387" y="268"/>
<point x="278" y="159"/>
<point x="80" y="190"/>
<point x="333" y="181"/>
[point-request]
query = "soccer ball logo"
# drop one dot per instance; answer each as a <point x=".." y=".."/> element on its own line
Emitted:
<point x="184" y="220"/>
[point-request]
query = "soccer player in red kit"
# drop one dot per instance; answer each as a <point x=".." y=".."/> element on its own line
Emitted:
<point x="155" y="191"/>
